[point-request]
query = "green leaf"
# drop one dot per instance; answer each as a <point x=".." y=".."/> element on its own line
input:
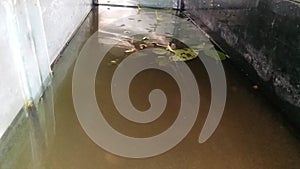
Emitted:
<point x="222" y="55"/>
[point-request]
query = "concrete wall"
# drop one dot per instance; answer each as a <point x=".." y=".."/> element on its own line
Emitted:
<point x="219" y="4"/>
<point x="263" y="41"/>
<point x="32" y="35"/>
<point x="147" y="3"/>
<point x="61" y="18"/>
<point x="10" y="92"/>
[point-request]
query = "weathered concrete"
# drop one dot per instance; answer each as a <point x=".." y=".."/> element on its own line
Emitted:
<point x="265" y="42"/>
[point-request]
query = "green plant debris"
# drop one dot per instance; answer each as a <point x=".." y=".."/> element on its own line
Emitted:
<point x="29" y="104"/>
<point x="171" y="48"/>
<point x="139" y="8"/>
<point x="158" y="18"/>
<point x="184" y="54"/>
<point x="130" y="50"/>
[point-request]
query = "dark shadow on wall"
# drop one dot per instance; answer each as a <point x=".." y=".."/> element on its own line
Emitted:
<point x="263" y="39"/>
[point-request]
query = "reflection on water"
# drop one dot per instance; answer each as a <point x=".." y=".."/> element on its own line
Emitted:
<point x="250" y="135"/>
<point x="25" y="143"/>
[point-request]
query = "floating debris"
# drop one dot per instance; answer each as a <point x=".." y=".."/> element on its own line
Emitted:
<point x="126" y="32"/>
<point x="130" y="50"/>
<point x="158" y="19"/>
<point x="113" y="62"/>
<point x="172" y="48"/>
<point x="181" y="54"/>
<point x="139" y="8"/>
<point x="143" y="46"/>
<point x="149" y="30"/>
<point x="145" y="38"/>
<point x="255" y="87"/>
<point x="29" y="104"/>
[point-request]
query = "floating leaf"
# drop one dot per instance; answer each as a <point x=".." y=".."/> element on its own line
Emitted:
<point x="196" y="51"/>
<point x="130" y="50"/>
<point x="222" y="55"/>
<point x="175" y="58"/>
<point x="182" y="54"/>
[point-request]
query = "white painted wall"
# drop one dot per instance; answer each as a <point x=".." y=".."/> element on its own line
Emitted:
<point x="148" y="3"/>
<point x="61" y="18"/>
<point x="10" y="92"/>
<point x="32" y="35"/>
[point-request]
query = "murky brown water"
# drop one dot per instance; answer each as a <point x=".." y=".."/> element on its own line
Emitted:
<point x="250" y="135"/>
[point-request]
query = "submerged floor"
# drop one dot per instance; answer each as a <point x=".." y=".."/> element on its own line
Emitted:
<point x="250" y="135"/>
